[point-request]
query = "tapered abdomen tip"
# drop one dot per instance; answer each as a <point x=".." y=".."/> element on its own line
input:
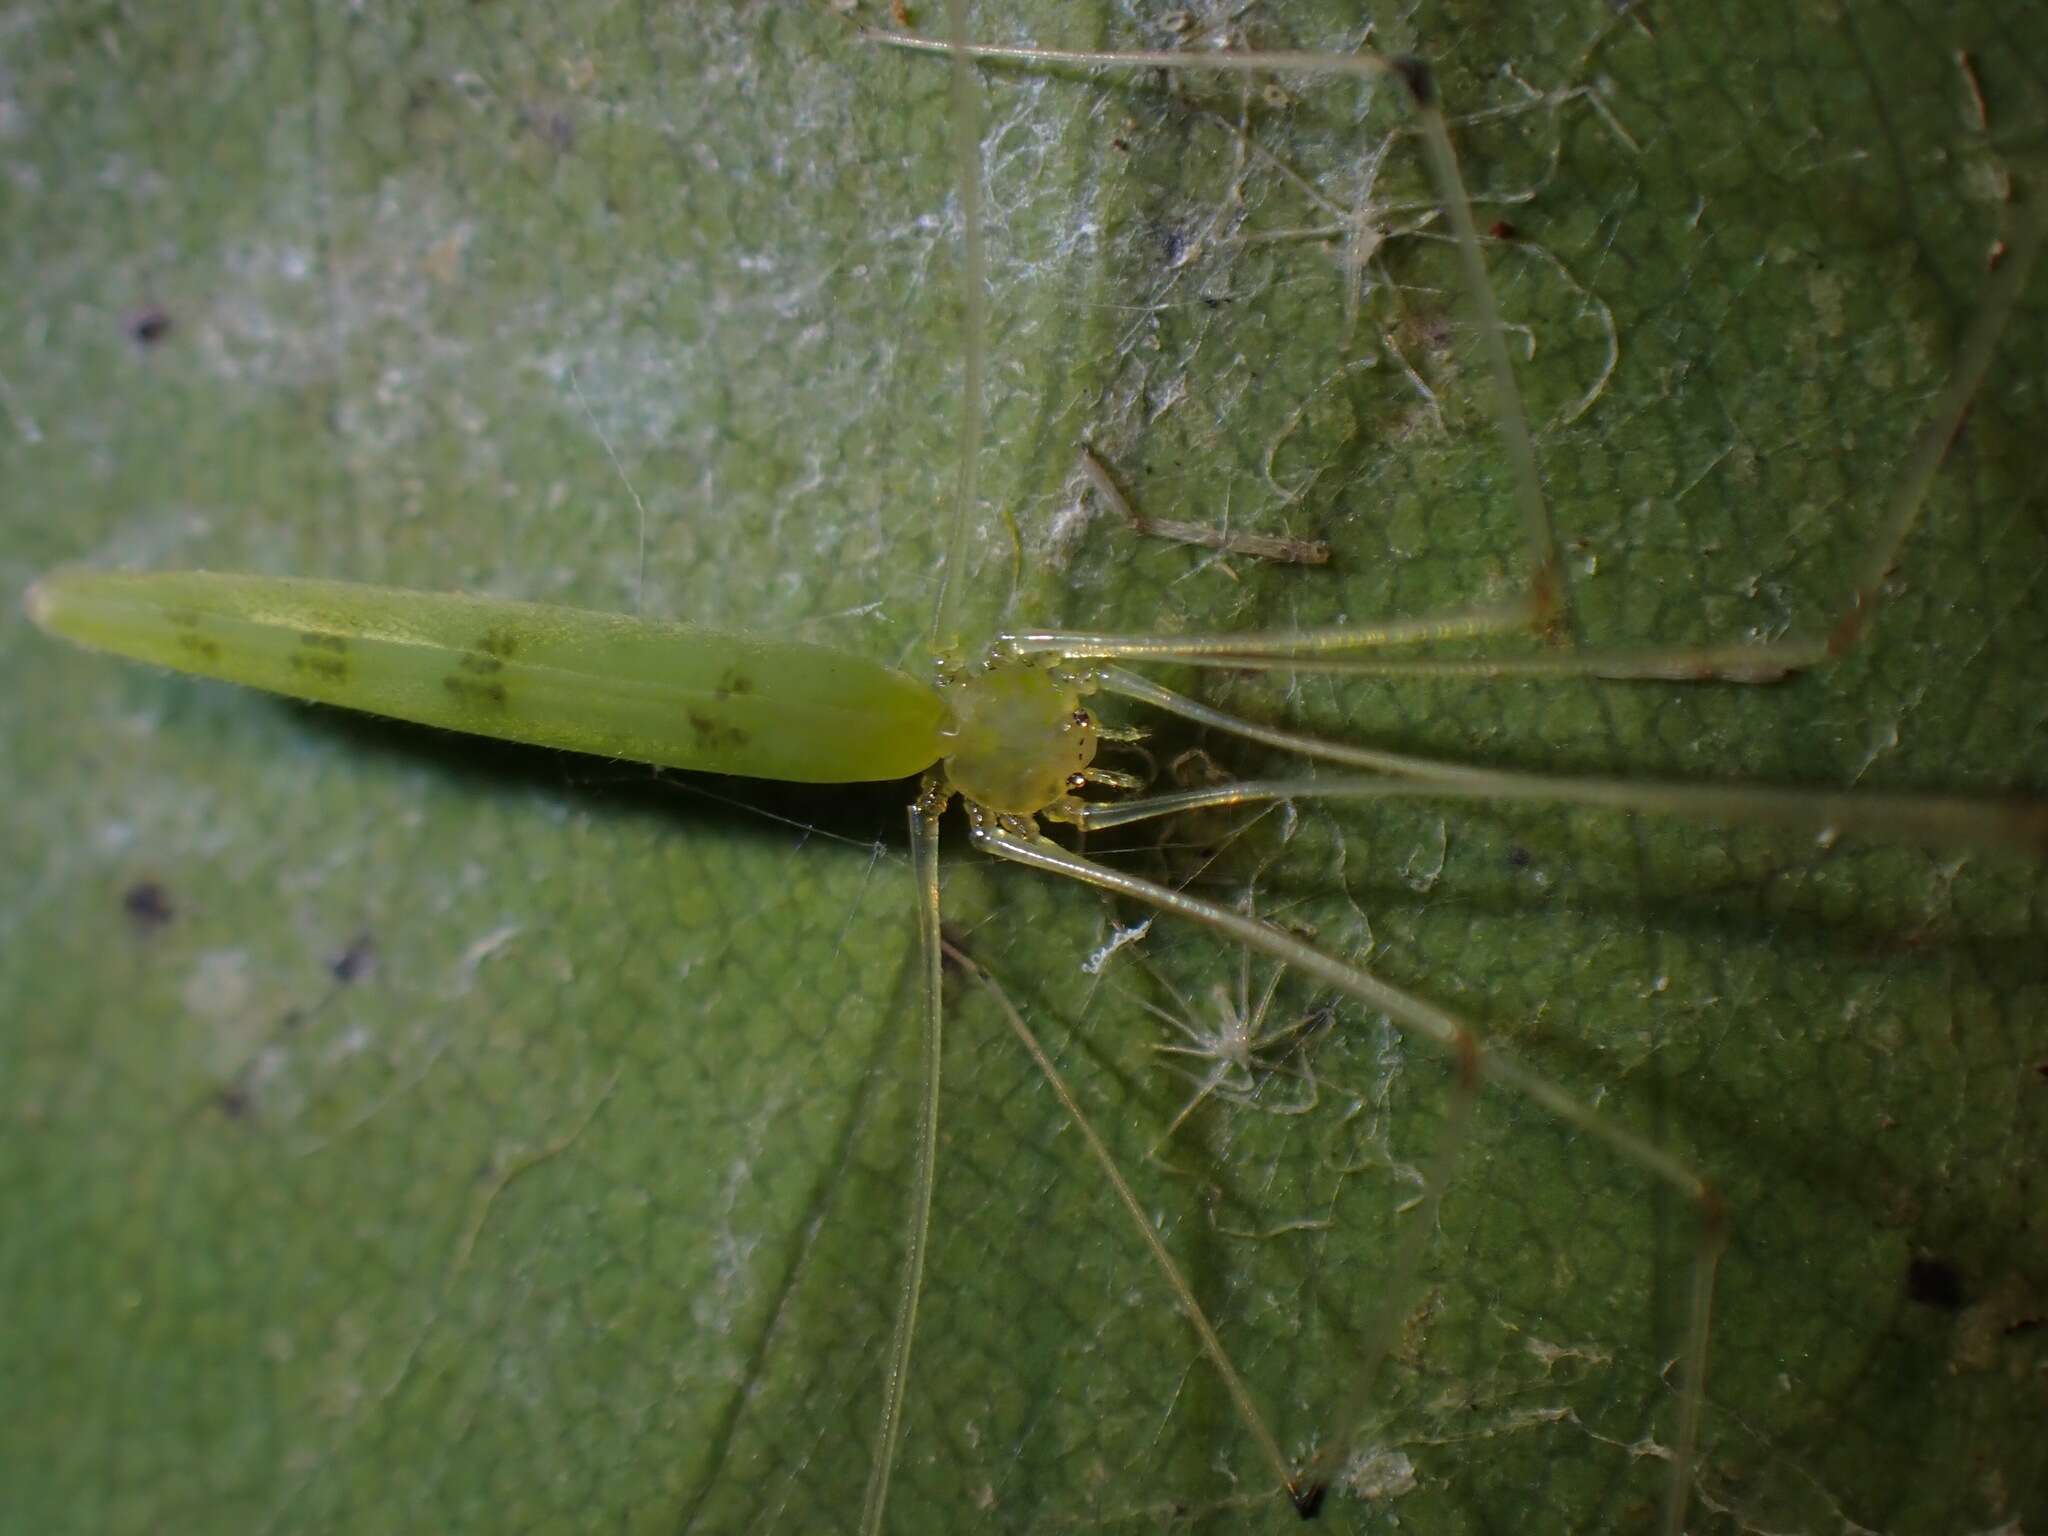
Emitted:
<point x="39" y="600"/>
<point x="52" y="600"/>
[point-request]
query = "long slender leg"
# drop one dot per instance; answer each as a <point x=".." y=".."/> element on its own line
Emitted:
<point x="1418" y="1016"/>
<point x="1936" y="821"/>
<point x="1318" y="650"/>
<point x="924" y="865"/>
<point x="1543" y="604"/>
<point x="1944" y="821"/>
<point x="1304" y="1498"/>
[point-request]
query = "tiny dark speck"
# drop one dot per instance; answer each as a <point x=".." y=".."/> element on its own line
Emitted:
<point x="147" y="904"/>
<point x="556" y="129"/>
<point x="1519" y="857"/>
<point x="1934" y="1283"/>
<point x="355" y="962"/>
<point x="147" y="327"/>
<point x="233" y="1101"/>
<point x="1308" y="1503"/>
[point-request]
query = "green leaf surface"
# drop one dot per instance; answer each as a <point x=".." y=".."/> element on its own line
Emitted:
<point x="405" y="1133"/>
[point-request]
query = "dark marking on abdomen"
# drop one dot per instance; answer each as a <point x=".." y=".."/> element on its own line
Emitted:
<point x="713" y="735"/>
<point x="478" y="695"/>
<point x="321" y="655"/>
<point x="192" y="640"/>
<point x="330" y="669"/>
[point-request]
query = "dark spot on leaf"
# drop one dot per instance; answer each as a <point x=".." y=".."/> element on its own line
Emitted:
<point x="1308" y="1502"/>
<point x="1501" y="229"/>
<point x="147" y="904"/>
<point x="233" y="1101"/>
<point x="355" y="962"/>
<point x="149" y="325"/>
<point x="1519" y="857"/>
<point x="1935" y="1283"/>
<point x="552" y="127"/>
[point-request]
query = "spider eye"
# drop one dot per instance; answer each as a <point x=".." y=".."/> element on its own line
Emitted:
<point x="1076" y="782"/>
